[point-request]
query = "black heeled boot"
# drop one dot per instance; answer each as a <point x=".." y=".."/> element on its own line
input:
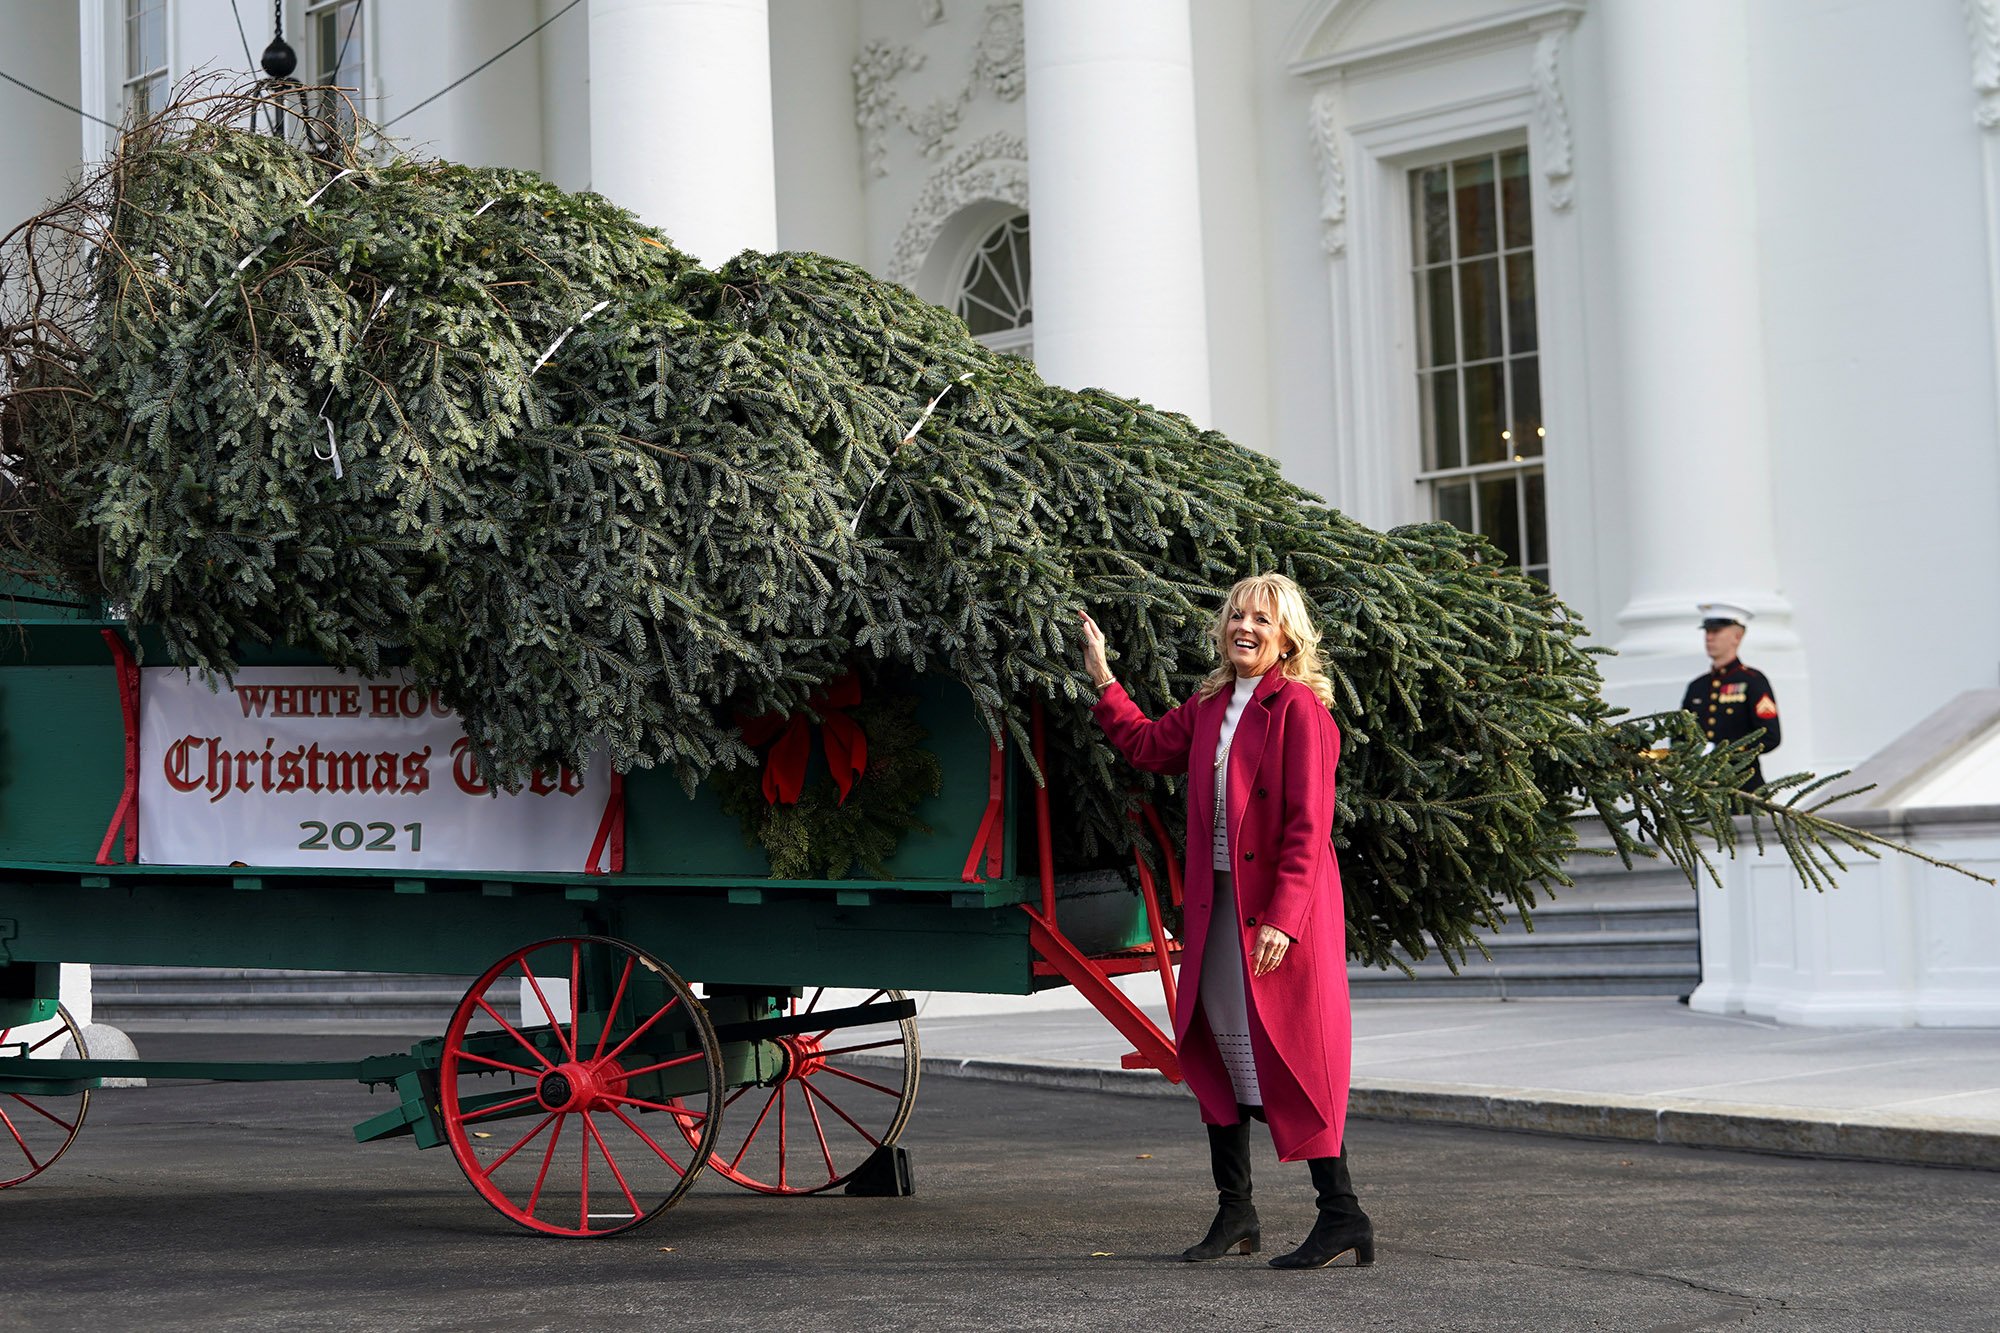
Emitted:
<point x="1235" y="1217"/>
<point x="1341" y="1225"/>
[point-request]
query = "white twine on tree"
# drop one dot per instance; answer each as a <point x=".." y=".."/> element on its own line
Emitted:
<point x="251" y="258"/>
<point x="332" y="454"/>
<point x="882" y="473"/>
<point x="560" y="337"/>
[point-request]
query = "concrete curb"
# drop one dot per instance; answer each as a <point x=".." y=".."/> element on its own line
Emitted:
<point x="1910" y="1140"/>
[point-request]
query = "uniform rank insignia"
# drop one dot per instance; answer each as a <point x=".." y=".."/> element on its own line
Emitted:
<point x="1734" y="694"/>
<point x="1767" y="707"/>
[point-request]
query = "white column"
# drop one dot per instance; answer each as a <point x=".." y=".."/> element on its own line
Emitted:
<point x="1690" y="351"/>
<point x="680" y="120"/>
<point x="1119" y="298"/>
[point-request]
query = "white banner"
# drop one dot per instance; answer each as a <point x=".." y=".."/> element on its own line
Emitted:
<point x="304" y="766"/>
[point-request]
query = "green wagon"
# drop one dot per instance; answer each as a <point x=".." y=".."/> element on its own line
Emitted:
<point x="673" y="1008"/>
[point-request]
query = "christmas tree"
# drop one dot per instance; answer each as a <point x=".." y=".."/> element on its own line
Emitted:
<point x="262" y="390"/>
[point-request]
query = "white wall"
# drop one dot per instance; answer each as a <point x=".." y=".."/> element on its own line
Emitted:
<point x="562" y="53"/>
<point x="38" y="150"/>
<point x="820" y="206"/>
<point x="1229" y="129"/>
<point x="494" y="119"/>
<point x="1879" y="341"/>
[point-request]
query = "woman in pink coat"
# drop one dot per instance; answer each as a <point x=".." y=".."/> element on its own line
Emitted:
<point x="1264" y="1033"/>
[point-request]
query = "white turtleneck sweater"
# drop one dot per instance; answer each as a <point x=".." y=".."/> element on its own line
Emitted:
<point x="1238" y="701"/>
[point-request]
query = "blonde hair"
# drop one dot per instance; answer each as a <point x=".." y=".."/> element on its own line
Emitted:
<point x="1287" y="607"/>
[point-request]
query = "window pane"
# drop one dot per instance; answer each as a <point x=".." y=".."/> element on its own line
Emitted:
<point x="1514" y="198"/>
<point x="993" y="295"/>
<point x="1485" y="413"/>
<point x="1479" y="308"/>
<point x="1435" y="340"/>
<point x="1499" y="516"/>
<point x="1521" y="336"/>
<point x="1440" y="395"/>
<point x="1454" y="503"/>
<point x="1528" y="432"/>
<point x="1478" y="219"/>
<point x="1536" y="503"/>
<point x="1430" y="211"/>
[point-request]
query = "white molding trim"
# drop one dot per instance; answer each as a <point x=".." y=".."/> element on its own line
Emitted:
<point x="1325" y="125"/>
<point x="995" y="168"/>
<point x="1552" y="117"/>
<point x="1982" y="23"/>
<point x="93" y="74"/>
<point x="1486" y="30"/>
<point x="1377" y="415"/>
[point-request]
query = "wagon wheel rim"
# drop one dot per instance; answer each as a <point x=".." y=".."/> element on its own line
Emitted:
<point x="33" y="1130"/>
<point x="550" y="1086"/>
<point x="812" y="1127"/>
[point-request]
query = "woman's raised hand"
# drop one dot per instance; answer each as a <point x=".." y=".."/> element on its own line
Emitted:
<point x="1093" y="652"/>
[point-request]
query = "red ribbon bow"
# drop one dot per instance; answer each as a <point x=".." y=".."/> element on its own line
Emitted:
<point x="846" y="744"/>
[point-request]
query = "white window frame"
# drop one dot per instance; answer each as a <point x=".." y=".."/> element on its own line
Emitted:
<point x="1384" y="119"/>
<point x="127" y="79"/>
<point x="310" y="56"/>
<point x="1428" y="478"/>
<point x="1016" y="341"/>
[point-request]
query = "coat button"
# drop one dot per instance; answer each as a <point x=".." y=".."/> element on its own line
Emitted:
<point x="1262" y="792"/>
<point x="1249" y="920"/>
<point x="1249" y="856"/>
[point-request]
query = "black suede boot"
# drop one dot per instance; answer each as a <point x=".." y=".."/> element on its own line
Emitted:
<point x="1235" y="1217"/>
<point x="1341" y="1225"/>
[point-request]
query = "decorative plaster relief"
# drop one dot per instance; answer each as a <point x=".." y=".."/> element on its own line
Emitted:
<point x="999" y="65"/>
<point x="875" y="100"/>
<point x="1982" y="21"/>
<point x="932" y="12"/>
<point x="1552" y="118"/>
<point x="996" y="167"/>
<point x="1325" y="124"/>
<point x="999" y="59"/>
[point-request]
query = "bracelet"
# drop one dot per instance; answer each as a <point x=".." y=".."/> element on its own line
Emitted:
<point x="1102" y="685"/>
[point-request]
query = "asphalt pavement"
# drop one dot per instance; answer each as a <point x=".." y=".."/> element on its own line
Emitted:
<point x="224" y="1207"/>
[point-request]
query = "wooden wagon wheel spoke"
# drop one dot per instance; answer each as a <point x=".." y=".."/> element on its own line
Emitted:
<point x="514" y="1032"/>
<point x="526" y="1139"/>
<point x="834" y="1106"/>
<point x="624" y="1003"/>
<point x="22" y="1143"/>
<point x="612" y="1162"/>
<point x="770" y="1152"/>
<point x="647" y="1139"/>
<point x="555" y="1024"/>
<point x="34" y="1128"/>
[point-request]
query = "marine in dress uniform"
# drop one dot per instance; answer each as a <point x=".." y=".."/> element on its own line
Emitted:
<point x="1732" y="700"/>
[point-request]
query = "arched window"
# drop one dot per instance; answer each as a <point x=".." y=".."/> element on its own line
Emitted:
<point x="996" y="291"/>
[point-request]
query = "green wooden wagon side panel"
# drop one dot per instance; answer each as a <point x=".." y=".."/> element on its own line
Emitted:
<point x="669" y="833"/>
<point x="921" y="942"/>
<point x="62" y="760"/>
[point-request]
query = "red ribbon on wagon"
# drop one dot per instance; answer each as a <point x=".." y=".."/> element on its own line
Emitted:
<point x="785" y="766"/>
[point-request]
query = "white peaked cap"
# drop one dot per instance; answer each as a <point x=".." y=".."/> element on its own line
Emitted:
<point x="1725" y="611"/>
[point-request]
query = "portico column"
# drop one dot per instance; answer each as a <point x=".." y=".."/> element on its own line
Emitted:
<point x="1116" y="212"/>
<point x="680" y="120"/>
<point x="1694" y="429"/>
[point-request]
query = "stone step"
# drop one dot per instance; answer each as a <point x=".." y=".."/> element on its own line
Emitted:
<point x="1434" y="980"/>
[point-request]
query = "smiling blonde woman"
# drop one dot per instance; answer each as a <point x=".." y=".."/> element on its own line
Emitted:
<point x="1265" y="1033"/>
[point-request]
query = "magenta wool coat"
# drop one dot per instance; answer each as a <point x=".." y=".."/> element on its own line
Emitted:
<point x="1281" y="766"/>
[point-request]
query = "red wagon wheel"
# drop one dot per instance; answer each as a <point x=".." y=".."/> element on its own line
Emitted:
<point x="35" y="1130"/>
<point x="579" y="1086"/>
<point x="844" y="1093"/>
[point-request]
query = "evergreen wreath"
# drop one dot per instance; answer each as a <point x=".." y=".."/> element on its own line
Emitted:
<point x="820" y="836"/>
